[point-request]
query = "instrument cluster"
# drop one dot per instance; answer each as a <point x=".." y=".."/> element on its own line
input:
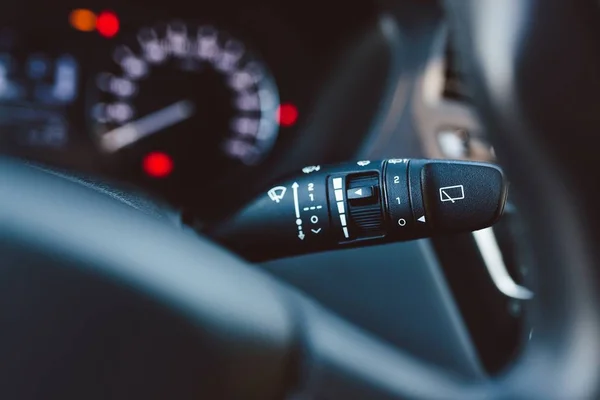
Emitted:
<point x="180" y="101"/>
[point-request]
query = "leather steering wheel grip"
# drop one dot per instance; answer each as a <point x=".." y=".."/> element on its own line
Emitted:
<point x="99" y="300"/>
<point x="533" y="67"/>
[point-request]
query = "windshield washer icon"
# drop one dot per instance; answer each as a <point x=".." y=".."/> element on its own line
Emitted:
<point x="276" y="194"/>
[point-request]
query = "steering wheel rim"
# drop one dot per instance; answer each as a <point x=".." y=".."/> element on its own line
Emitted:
<point x="505" y="49"/>
<point x="75" y="242"/>
<point x="222" y="319"/>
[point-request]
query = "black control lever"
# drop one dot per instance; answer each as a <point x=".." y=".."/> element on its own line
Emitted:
<point x="368" y="202"/>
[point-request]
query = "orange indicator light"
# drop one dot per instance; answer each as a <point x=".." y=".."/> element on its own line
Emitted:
<point x="83" y="20"/>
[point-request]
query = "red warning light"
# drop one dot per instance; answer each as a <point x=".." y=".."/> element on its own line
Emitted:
<point x="107" y="24"/>
<point x="287" y="114"/>
<point x="158" y="164"/>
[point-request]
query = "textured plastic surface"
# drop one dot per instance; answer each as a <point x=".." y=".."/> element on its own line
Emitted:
<point x="462" y="197"/>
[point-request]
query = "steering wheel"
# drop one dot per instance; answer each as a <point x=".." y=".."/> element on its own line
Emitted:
<point x="98" y="300"/>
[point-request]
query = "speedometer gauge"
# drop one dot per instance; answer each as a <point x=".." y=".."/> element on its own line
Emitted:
<point x="191" y="90"/>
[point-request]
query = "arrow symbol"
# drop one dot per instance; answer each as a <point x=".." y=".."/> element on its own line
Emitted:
<point x="296" y="203"/>
<point x="316" y="230"/>
<point x="359" y="192"/>
<point x="301" y="236"/>
<point x="422" y="219"/>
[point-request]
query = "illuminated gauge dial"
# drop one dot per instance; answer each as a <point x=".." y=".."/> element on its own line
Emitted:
<point x="194" y="92"/>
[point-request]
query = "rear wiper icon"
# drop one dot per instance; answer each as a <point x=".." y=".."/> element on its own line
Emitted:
<point x="452" y="193"/>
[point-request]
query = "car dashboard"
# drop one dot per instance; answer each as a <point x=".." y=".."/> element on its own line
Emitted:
<point x="217" y="91"/>
<point x="203" y="104"/>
